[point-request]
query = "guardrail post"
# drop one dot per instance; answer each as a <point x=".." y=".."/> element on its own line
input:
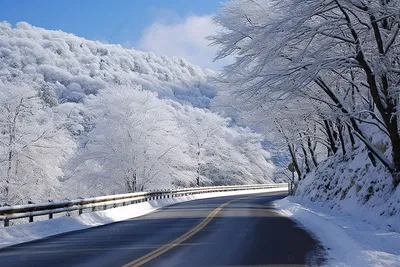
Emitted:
<point x="80" y="211"/>
<point x="6" y="222"/>
<point x="30" y="219"/>
<point x="50" y="216"/>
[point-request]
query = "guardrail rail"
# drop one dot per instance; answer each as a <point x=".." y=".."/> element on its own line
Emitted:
<point x="93" y="204"/>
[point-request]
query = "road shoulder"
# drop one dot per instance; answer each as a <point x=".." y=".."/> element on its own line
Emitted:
<point x="349" y="240"/>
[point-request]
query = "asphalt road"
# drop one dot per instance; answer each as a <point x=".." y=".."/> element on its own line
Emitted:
<point x="225" y="231"/>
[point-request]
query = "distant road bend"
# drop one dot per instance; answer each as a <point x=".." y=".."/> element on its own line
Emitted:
<point x="223" y="231"/>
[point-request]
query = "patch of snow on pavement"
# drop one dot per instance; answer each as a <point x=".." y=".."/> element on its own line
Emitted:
<point x="28" y="232"/>
<point x="349" y="240"/>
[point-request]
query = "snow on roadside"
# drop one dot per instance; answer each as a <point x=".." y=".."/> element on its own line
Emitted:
<point x="349" y="240"/>
<point x="28" y="232"/>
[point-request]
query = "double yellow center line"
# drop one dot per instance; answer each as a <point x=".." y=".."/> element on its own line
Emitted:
<point x="154" y="254"/>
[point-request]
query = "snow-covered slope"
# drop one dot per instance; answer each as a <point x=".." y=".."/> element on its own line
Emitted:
<point x="68" y="67"/>
<point x="354" y="186"/>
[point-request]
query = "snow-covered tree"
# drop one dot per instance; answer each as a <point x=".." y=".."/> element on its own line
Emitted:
<point x="33" y="148"/>
<point x="134" y="144"/>
<point x="201" y="130"/>
<point x="339" y="57"/>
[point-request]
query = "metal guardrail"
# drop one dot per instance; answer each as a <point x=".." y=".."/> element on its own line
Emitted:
<point x="105" y="202"/>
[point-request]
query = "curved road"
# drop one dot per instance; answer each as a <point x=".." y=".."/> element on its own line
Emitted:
<point x="224" y="231"/>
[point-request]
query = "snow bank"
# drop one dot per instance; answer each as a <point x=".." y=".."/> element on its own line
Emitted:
<point x="349" y="240"/>
<point x="37" y="230"/>
<point x="353" y="185"/>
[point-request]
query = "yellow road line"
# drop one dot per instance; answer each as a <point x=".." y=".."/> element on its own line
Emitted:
<point x="154" y="254"/>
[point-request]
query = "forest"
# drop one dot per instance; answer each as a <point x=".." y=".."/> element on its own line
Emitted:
<point x="80" y="118"/>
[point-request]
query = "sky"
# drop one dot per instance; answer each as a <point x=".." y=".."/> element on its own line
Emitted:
<point x="165" y="27"/>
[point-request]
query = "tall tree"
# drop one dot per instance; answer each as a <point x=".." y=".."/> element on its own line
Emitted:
<point x="33" y="147"/>
<point x="341" y="55"/>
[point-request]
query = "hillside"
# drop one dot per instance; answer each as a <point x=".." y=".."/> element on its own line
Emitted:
<point x="350" y="186"/>
<point x="69" y="67"/>
<point x="84" y="118"/>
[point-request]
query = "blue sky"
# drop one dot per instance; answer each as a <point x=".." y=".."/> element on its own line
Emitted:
<point x="127" y="22"/>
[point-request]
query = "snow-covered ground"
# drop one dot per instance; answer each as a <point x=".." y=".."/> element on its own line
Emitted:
<point x="36" y="230"/>
<point x="350" y="240"/>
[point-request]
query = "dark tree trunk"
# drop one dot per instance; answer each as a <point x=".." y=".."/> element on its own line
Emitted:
<point x="308" y="169"/>
<point x="294" y="160"/>
<point x="340" y="132"/>
<point x="312" y="152"/>
<point x="353" y="143"/>
<point x="331" y="140"/>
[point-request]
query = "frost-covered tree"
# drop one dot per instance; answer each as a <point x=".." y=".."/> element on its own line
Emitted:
<point x="139" y="142"/>
<point x="33" y="148"/>
<point x="223" y="155"/>
<point x="201" y="130"/>
<point x="340" y="57"/>
<point x="134" y="144"/>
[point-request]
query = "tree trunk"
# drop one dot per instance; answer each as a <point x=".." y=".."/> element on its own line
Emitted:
<point x="294" y="160"/>
<point x="353" y="143"/>
<point x="340" y="132"/>
<point x="198" y="169"/>
<point x="131" y="182"/>
<point x="308" y="169"/>
<point x="134" y="181"/>
<point x="331" y="140"/>
<point x="312" y="152"/>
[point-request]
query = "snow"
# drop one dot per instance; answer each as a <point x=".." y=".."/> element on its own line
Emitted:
<point x="349" y="240"/>
<point x="352" y="185"/>
<point x="42" y="57"/>
<point x="28" y="232"/>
